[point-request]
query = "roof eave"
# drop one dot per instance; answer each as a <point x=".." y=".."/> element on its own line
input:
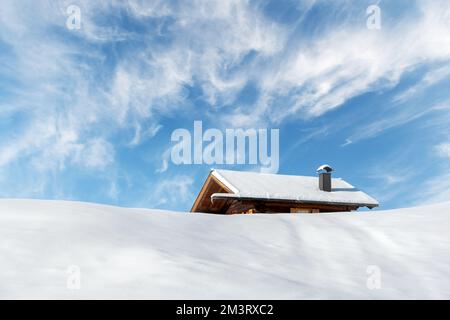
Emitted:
<point x="237" y="196"/>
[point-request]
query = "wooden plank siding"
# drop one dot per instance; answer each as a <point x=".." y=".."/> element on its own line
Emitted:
<point x="263" y="206"/>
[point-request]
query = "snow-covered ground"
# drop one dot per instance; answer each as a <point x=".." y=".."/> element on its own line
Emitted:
<point x="137" y="253"/>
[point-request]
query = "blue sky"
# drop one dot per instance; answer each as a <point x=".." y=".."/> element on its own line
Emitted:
<point x="87" y="114"/>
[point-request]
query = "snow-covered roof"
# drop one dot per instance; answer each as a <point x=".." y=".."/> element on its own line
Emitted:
<point x="287" y="187"/>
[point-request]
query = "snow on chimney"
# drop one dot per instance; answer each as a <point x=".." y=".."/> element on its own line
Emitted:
<point x="325" y="177"/>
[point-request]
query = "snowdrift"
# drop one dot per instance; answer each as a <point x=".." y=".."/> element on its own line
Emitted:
<point x="139" y="253"/>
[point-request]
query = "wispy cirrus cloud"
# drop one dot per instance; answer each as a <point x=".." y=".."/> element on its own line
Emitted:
<point x="145" y="80"/>
<point x="392" y="119"/>
<point x="78" y="97"/>
<point x="432" y="77"/>
<point x="443" y="150"/>
<point x="177" y="189"/>
<point x="348" y="60"/>
<point x="76" y="91"/>
<point x="433" y="190"/>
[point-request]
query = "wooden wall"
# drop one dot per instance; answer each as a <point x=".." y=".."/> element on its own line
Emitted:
<point x="261" y="206"/>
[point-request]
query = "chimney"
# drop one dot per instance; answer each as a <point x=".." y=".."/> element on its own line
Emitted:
<point x="325" y="177"/>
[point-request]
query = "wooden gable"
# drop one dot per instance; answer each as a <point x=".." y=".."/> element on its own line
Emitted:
<point x="203" y="201"/>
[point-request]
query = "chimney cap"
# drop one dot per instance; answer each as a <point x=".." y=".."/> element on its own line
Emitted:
<point x="324" y="168"/>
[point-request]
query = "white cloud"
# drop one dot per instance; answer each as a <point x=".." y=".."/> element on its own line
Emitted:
<point x="443" y="150"/>
<point x="95" y="154"/>
<point x="173" y="190"/>
<point x="69" y="108"/>
<point x="141" y="134"/>
<point x="165" y="161"/>
<point x="434" y="190"/>
<point x="431" y="78"/>
<point x="388" y="122"/>
<point x="343" y="62"/>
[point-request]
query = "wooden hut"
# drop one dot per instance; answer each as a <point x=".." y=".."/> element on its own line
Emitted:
<point x="231" y="192"/>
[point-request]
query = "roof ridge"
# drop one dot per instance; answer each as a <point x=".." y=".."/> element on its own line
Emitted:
<point x="270" y="174"/>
